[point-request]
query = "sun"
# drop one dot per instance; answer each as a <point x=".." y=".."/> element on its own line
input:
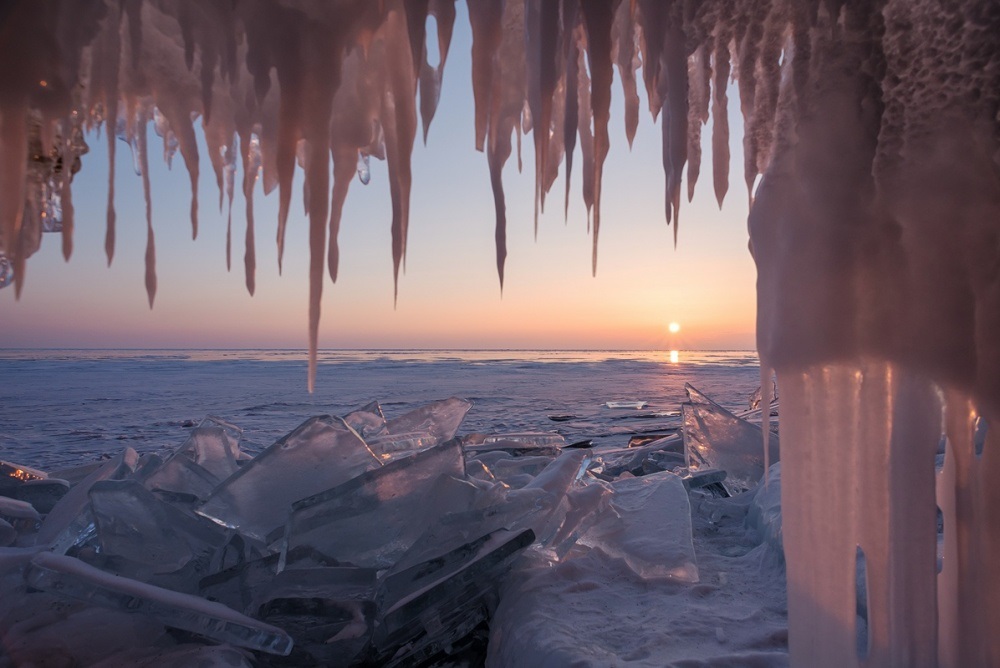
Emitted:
<point x="674" y="327"/>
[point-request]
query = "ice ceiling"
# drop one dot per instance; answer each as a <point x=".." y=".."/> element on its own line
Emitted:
<point x="875" y="227"/>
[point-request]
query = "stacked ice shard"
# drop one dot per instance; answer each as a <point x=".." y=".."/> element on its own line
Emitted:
<point x="399" y="560"/>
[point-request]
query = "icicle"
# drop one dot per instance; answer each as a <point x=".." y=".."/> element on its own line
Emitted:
<point x="143" y="157"/>
<point x="507" y="79"/>
<point x="485" y="18"/>
<point x="251" y="172"/>
<point x="626" y="58"/>
<point x="598" y="18"/>
<point x="572" y="120"/>
<point x="542" y="43"/>
<point x="399" y="123"/>
<point x="229" y="154"/>
<point x="182" y="126"/>
<point x="583" y="127"/>
<point x="13" y="143"/>
<point x="443" y="12"/>
<point x="674" y="92"/>
<point x="720" y="118"/>
<point x="699" y="82"/>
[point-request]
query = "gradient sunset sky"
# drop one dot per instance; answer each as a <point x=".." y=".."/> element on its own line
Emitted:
<point x="449" y="296"/>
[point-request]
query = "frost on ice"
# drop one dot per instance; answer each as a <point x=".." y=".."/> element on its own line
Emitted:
<point x="874" y="127"/>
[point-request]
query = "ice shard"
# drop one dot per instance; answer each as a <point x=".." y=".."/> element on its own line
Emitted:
<point x="71" y="520"/>
<point x="648" y="524"/>
<point x="372" y="519"/>
<point x="205" y="459"/>
<point x="329" y="612"/>
<point x="321" y="453"/>
<point x="715" y="438"/>
<point x="434" y="605"/>
<point x="139" y="535"/>
<point x="74" y="579"/>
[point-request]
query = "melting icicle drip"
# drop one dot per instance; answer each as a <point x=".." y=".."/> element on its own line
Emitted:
<point x="364" y="171"/>
<point x="127" y="135"/>
<point x="865" y="125"/>
<point x="163" y="131"/>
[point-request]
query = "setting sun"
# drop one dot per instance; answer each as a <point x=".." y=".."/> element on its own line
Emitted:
<point x="674" y="327"/>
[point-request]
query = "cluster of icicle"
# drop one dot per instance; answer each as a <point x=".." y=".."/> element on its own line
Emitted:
<point x="875" y="228"/>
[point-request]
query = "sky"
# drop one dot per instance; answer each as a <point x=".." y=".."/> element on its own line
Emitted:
<point x="449" y="296"/>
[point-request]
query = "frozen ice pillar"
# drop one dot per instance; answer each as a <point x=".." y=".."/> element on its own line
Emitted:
<point x="858" y="458"/>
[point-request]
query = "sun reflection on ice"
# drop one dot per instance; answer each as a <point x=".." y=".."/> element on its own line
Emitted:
<point x="675" y="356"/>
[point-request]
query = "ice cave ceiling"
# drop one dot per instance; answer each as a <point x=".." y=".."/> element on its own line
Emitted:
<point x="875" y="227"/>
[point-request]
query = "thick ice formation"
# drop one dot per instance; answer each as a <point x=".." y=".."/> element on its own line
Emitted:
<point x="875" y="126"/>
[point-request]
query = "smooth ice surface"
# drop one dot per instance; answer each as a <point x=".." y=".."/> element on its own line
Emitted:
<point x="321" y="453"/>
<point x="715" y="438"/>
<point x="74" y="579"/>
<point x="372" y="519"/>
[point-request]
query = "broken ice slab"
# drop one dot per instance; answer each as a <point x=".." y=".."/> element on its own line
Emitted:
<point x="704" y="478"/>
<point x="239" y="585"/>
<point x="368" y="421"/>
<point x="203" y="656"/>
<point x="143" y="535"/>
<point x="329" y="612"/>
<point x="215" y="446"/>
<point x="319" y="454"/>
<point x="764" y="515"/>
<point x="715" y="438"/>
<point x="391" y="446"/>
<point x="21" y="518"/>
<point x="634" y="405"/>
<point x="636" y="460"/>
<point x="15" y="510"/>
<point x="70" y="519"/>
<point x="42" y="494"/>
<point x="372" y="519"/>
<point x="648" y="525"/>
<point x="513" y="470"/>
<point x="205" y="459"/>
<point x="41" y="629"/>
<point x="440" y="419"/>
<point x="14" y="476"/>
<point x="75" y="474"/>
<point x="517" y="444"/>
<point x="583" y="509"/>
<point x="435" y="604"/>
<point x="72" y="578"/>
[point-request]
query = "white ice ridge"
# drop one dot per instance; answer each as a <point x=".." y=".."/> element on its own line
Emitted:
<point x="875" y="228"/>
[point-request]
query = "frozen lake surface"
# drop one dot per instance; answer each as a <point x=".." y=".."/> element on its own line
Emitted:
<point x="61" y="407"/>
